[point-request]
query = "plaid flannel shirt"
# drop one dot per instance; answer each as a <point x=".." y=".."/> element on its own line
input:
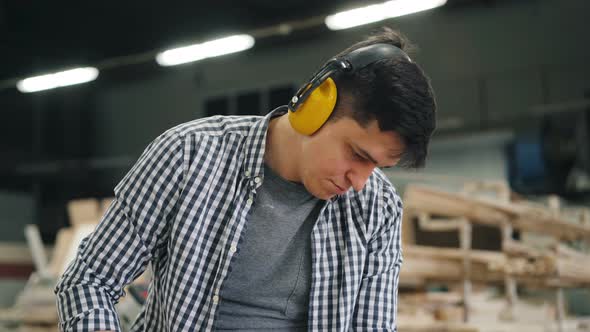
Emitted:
<point x="184" y="206"/>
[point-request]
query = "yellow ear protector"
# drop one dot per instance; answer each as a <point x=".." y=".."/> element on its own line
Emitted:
<point x="313" y="103"/>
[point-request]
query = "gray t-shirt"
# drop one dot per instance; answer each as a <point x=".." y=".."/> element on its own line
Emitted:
<point x="268" y="284"/>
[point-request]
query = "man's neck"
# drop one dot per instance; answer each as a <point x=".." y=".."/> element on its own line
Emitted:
<point x="283" y="149"/>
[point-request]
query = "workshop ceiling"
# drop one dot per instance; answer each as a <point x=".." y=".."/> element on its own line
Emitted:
<point x="38" y="36"/>
<point x="42" y="35"/>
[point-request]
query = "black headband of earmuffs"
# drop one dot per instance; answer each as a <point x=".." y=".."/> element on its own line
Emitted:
<point x="351" y="62"/>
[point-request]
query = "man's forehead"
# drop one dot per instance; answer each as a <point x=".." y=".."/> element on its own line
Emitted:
<point x="389" y="141"/>
<point x="370" y="136"/>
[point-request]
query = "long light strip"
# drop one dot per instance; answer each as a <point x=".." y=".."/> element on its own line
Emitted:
<point x="374" y="13"/>
<point x="58" y="79"/>
<point x="204" y="50"/>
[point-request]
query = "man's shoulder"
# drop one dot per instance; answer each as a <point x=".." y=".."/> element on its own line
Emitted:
<point x="218" y="125"/>
<point x="393" y="200"/>
<point x="378" y="188"/>
<point x="378" y="203"/>
<point x="379" y="184"/>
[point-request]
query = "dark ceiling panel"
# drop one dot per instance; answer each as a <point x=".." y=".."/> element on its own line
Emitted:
<point x="45" y="35"/>
<point x="42" y="35"/>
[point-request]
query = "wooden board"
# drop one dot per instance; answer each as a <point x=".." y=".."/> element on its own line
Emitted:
<point x="492" y="212"/>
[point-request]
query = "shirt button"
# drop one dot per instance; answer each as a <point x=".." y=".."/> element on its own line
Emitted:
<point x="257" y="180"/>
<point x="233" y="249"/>
<point x="249" y="201"/>
<point x="215" y="299"/>
<point x="247" y="173"/>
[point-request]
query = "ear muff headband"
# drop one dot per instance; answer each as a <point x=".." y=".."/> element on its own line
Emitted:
<point x="315" y="100"/>
<point x="367" y="55"/>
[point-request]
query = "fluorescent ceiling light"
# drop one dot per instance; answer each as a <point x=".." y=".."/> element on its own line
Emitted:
<point x="56" y="80"/>
<point x="374" y="13"/>
<point x="204" y="50"/>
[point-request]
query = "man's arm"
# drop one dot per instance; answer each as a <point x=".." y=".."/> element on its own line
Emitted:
<point x="376" y="308"/>
<point x="125" y="240"/>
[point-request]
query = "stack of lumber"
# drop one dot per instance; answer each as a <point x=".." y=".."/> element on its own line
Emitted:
<point x="423" y="264"/>
<point x="442" y="311"/>
<point x="482" y="210"/>
<point x="557" y="265"/>
<point x="560" y="260"/>
<point x="35" y="308"/>
<point x="84" y="216"/>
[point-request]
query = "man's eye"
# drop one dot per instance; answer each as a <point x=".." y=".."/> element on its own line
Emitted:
<point x="358" y="156"/>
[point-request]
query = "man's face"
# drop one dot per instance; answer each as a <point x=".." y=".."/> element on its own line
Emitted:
<point x="343" y="154"/>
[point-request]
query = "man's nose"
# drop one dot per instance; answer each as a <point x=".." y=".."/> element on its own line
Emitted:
<point x="359" y="175"/>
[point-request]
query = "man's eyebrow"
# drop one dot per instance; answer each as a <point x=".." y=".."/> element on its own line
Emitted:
<point x="366" y="154"/>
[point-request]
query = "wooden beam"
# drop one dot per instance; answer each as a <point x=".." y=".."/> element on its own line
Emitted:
<point x="492" y="212"/>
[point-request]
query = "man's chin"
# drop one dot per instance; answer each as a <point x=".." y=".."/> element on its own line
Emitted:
<point x="319" y="193"/>
<point x="326" y="196"/>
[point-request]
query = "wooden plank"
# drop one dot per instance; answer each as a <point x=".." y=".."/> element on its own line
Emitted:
<point x="84" y="211"/>
<point x="492" y="212"/>
<point x="408" y="224"/>
<point x="104" y="205"/>
<point x="63" y="242"/>
<point x="15" y="252"/>
<point x="446" y="264"/>
<point x="481" y="256"/>
<point x="406" y="326"/>
<point x="517" y="248"/>
<point x="79" y="233"/>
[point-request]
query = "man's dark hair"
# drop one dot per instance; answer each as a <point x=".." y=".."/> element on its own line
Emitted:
<point x="396" y="92"/>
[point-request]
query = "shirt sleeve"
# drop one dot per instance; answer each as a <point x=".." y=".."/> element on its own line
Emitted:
<point x="376" y="307"/>
<point x="125" y="240"/>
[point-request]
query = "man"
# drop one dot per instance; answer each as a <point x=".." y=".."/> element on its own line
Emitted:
<point x="283" y="222"/>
